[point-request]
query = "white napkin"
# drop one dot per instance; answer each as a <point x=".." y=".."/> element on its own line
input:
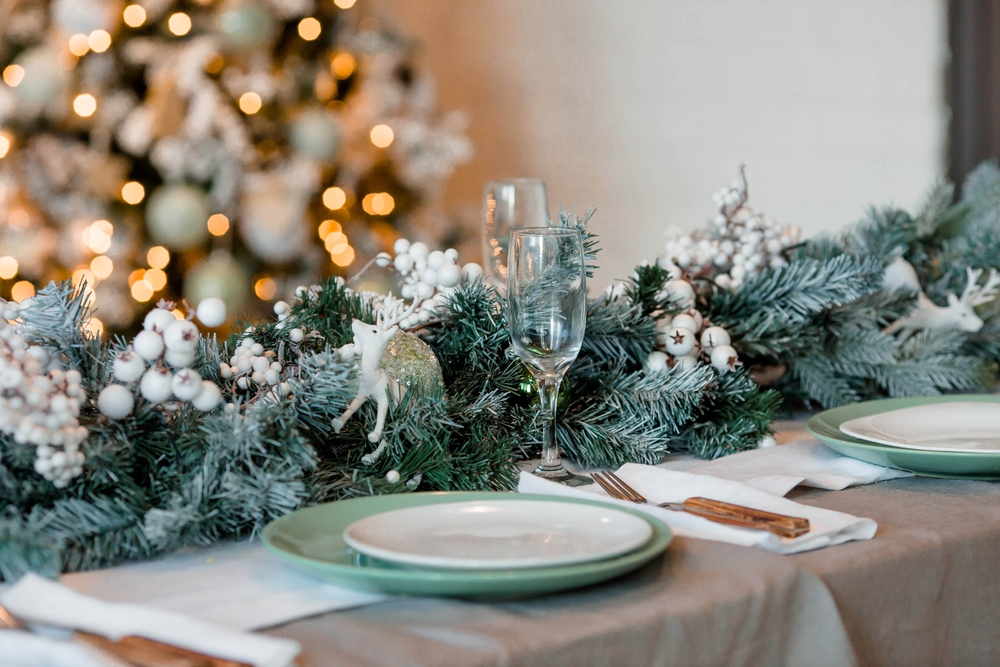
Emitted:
<point x="35" y="599"/>
<point x="658" y="485"/>
<point x="238" y="585"/>
<point x="780" y="469"/>
<point x="19" y="648"/>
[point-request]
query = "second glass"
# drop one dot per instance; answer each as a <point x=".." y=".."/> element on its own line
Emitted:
<point x="547" y="317"/>
<point x="508" y="205"/>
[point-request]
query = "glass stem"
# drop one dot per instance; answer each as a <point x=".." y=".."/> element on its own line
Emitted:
<point x="548" y="393"/>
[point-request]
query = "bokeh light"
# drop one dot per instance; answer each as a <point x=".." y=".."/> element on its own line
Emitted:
<point x="382" y="136"/>
<point x="134" y="16"/>
<point x="343" y="65"/>
<point x="334" y="198"/>
<point x="378" y="203"/>
<point x="22" y="290"/>
<point x="79" y="45"/>
<point x="158" y="257"/>
<point x="309" y="28"/>
<point x="133" y="192"/>
<point x="99" y="41"/>
<point x="85" y="105"/>
<point x="13" y="75"/>
<point x="250" y="103"/>
<point x="102" y="266"/>
<point x="344" y="4"/>
<point x="327" y="227"/>
<point x="94" y="327"/>
<point x="156" y="279"/>
<point x="8" y="267"/>
<point x="4" y="145"/>
<point x="218" y="224"/>
<point x="265" y="289"/>
<point x="335" y="242"/>
<point x="142" y="291"/>
<point x="343" y="258"/>
<point x="179" y="24"/>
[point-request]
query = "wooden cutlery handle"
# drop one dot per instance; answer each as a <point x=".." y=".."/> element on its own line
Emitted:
<point x="148" y="653"/>
<point x="738" y="515"/>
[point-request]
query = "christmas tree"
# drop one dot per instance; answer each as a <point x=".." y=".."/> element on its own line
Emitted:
<point x="188" y="149"/>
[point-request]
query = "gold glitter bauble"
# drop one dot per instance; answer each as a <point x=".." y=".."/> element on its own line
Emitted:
<point x="410" y="361"/>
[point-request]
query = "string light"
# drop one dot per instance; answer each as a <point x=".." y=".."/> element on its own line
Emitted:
<point x="344" y="4"/>
<point x="218" y="224"/>
<point x="265" y="289"/>
<point x="4" y="145"/>
<point x="309" y="28"/>
<point x="335" y="242"/>
<point x="179" y="24"/>
<point x="382" y="136"/>
<point x="156" y="279"/>
<point x="133" y="192"/>
<point x="250" y="103"/>
<point x="135" y="276"/>
<point x="85" y="105"/>
<point x="97" y="239"/>
<point x="344" y="258"/>
<point x="22" y="290"/>
<point x="99" y="41"/>
<point x="134" y="16"/>
<point x="102" y="266"/>
<point x="13" y="75"/>
<point x="342" y="65"/>
<point x="79" y="45"/>
<point x="378" y="203"/>
<point x="8" y="267"/>
<point x="142" y="291"/>
<point x="327" y="227"/>
<point x="334" y="198"/>
<point x="158" y="257"/>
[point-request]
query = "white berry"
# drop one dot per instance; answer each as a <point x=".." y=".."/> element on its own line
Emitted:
<point x="403" y="263"/>
<point x="418" y="251"/>
<point x="181" y="336"/>
<point x="679" y="341"/>
<point x="392" y="477"/>
<point x="680" y="292"/>
<point x="179" y="359"/>
<point x="472" y="271"/>
<point x="685" y="321"/>
<point x="767" y="441"/>
<point x="212" y="312"/>
<point x="400" y="246"/>
<point x="208" y="398"/>
<point x="115" y="401"/>
<point x="155" y="385"/>
<point x="158" y="320"/>
<point x="296" y="335"/>
<point x="186" y="384"/>
<point x="128" y="366"/>
<point x="686" y="363"/>
<point x="713" y="337"/>
<point x="148" y="344"/>
<point x="724" y="358"/>
<point x="383" y="259"/>
<point x="449" y="275"/>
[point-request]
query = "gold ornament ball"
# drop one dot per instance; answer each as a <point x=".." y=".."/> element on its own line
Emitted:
<point x="410" y="361"/>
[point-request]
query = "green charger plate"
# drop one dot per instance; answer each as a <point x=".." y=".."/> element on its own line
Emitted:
<point x="964" y="465"/>
<point x="312" y="539"/>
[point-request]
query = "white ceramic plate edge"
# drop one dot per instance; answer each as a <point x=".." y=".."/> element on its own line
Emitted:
<point x="873" y="433"/>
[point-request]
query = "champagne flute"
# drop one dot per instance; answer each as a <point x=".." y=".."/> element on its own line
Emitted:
<point x="547" y="315"/>
<point x="507" y="205"/>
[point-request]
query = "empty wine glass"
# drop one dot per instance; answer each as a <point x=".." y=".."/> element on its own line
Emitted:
<point x="547" y="315"/>
<point x="507" y="205"/>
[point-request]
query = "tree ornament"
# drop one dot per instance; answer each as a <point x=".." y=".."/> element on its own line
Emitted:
<point x="247" y="25"/>
<point x="44" y="77"/>
<point x="410" y="361"/>
<point x="155" y="385"/>
<point x="176" y="216"/>
<point x="274" y="206"/>
<point x="316" y="134"/>
<point x="219" y="276"/>
<point x="372" y="339"/>
<point x="148" y="344"/>
<point x="115" y="402"/>
<point x="724" y="358"/>
<point x="128" y="366"/>
<point x="212" y="312"/>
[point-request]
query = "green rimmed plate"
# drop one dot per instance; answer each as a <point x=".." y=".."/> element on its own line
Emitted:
<point x="965" y="465"/>
<point x="312" y="539"/>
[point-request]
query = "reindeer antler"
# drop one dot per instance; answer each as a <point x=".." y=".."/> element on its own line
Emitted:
<point x="977" y="296"/>
<point x="387" y="315"/>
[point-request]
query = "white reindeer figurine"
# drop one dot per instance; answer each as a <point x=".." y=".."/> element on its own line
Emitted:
<point x="959" y="313"/>
<point x="370" y="341"/>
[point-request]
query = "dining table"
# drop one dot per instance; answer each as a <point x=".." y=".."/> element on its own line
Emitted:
<point x="924" y="591"/>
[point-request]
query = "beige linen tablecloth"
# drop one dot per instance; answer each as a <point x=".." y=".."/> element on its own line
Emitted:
<point x="924" y="591"/>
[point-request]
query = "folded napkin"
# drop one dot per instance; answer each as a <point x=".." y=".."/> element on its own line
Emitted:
<point x="38" y="600"/>
<point x="239" y="585"/>
<point x="658" y="485"/>
<point x="19" y="648"/>
<point x="780" y="469"/>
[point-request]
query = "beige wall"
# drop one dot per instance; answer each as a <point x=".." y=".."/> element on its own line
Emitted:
<point x="646" y="108"/>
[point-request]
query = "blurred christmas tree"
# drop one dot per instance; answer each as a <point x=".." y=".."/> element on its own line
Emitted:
<point x="170" y="149"/>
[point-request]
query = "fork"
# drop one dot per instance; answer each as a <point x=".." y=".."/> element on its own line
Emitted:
<point x="713" y="510"/>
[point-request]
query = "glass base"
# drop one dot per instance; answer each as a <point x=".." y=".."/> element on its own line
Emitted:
<point x="562" y="476"/>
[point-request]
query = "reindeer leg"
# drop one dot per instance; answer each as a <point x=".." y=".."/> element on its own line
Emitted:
<point x="355" y="405"/>
<point x="383" y="407"/>
<point x="369" y="459"/>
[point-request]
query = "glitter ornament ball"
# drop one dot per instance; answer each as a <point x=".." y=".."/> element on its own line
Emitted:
<point x="410" y="361"/>
<point x="176" y="216"/>
<point x="316" y="134"/>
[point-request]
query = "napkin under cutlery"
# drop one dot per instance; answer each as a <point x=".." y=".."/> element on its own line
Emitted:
<point x="36" y="600"/>
<point x="658" y="485"/>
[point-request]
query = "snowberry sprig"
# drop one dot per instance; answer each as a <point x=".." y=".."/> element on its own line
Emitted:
<point x="40" y="402"/>
<point x="157" y="364"/>
<point x="428" y="277"/>
<point x="254" y="369"/>
<point x="739" y="243"/>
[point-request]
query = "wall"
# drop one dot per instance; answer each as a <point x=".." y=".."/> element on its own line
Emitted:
<point x="646" y="108"/>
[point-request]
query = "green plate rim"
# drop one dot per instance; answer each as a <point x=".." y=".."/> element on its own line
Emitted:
<point x="825" y="426"/>
<point x="383" y="579"/>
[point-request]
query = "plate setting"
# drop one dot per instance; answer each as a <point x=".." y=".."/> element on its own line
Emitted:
<point x="961" y="426"/>
<point x="498" y="534"/>
<point x="313" y="540"/>
<point x="976" y="464"/>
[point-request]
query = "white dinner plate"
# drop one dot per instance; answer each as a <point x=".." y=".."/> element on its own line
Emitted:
<point x="498" y="534"/>
<point x="942" y="427"/>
